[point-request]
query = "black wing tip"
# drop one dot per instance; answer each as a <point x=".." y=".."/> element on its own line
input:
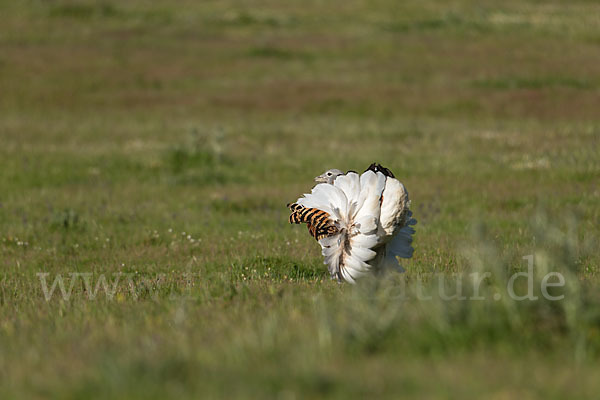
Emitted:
<point x="376" y="167"/>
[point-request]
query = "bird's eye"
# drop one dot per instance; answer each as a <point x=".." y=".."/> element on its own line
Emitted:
<point x="329" y="174"/>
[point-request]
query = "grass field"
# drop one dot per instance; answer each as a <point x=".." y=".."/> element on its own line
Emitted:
<point x="155" y="144"/>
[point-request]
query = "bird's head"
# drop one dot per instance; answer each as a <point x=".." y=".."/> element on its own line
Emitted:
<point x="328" y="176"/>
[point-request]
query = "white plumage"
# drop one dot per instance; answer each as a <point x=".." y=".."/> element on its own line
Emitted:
<point x="370" y="220"/>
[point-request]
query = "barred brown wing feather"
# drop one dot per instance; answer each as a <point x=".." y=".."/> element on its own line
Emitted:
<point x="318" y="222"/>
<point x="326" y="232"/>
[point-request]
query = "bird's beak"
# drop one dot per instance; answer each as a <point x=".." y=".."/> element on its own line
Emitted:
<point x="320" y="179"/>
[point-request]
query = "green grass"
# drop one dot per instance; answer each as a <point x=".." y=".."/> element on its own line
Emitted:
<point x="156" y="144"/>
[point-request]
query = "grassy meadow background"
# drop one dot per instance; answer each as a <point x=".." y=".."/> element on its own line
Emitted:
<point x="161" y="141"/>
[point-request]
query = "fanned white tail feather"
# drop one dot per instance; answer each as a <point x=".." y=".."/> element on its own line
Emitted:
<point x="400" y="245"/>
<point x="394" y="206"/>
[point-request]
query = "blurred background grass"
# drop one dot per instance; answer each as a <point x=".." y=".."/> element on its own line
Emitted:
<point x="165" y="138"/>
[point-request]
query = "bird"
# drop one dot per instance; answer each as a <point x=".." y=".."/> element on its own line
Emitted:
<point x="362" y="222"/>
